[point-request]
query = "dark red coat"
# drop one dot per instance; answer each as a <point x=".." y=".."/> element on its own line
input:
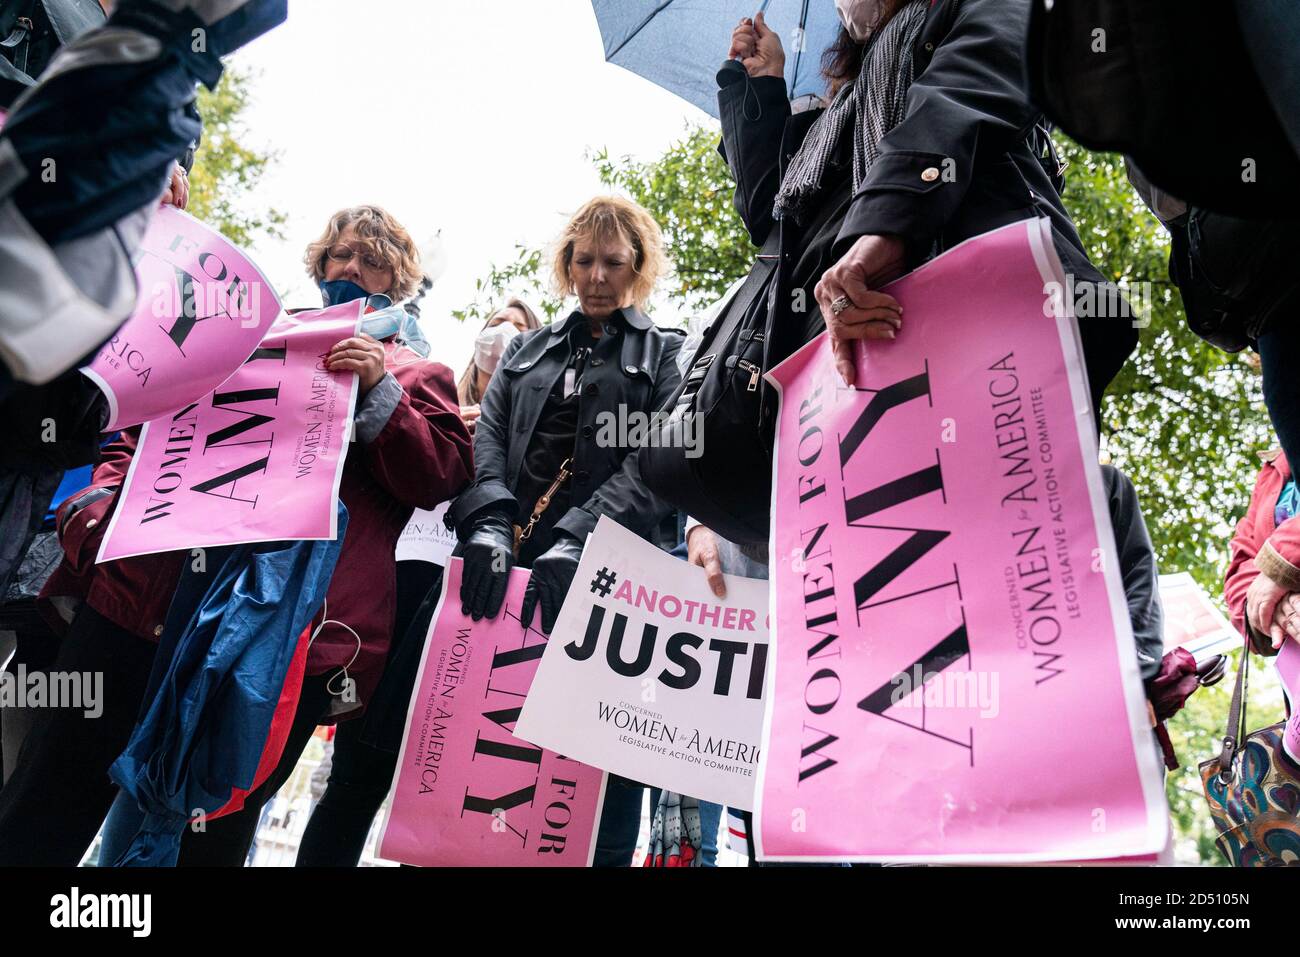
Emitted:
<point x="421" y="458"/>
<point x="133" y="593"/>
<point x="1260" y="545"/>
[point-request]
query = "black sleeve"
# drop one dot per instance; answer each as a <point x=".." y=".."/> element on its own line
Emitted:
<point x="624" y="496"/>
<point x="1137" y="563"/>
<point x="753" y="111"/>
<point x="969" y="97"/>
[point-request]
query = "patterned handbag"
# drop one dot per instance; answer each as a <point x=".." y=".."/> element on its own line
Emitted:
<point x="1253" y="789"/>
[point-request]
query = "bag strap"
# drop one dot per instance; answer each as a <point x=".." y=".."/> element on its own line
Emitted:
<point x="19" y="42"/>
<point x="1236" y="732"/>
<point x="543" y="503"/>
<point x="734" y="313"/>
<point x="566" y="469"/>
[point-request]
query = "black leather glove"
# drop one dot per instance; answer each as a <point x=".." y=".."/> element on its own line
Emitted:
<point x="552" y="574"/>
<point x="488" y="555"/>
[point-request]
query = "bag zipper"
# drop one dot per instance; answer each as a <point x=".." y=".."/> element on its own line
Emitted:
<point x="754" y="373"/>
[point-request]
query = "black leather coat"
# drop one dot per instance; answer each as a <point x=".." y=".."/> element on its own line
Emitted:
<point x="1137" y="563"/>
<point x="634" y="368"/>
<point x="961" y="162"/>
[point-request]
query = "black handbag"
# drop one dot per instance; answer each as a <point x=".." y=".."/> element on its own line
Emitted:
<point x="721" y="398"/>
<point x="1236" y="276"/>
<point x="1174" y="86"/>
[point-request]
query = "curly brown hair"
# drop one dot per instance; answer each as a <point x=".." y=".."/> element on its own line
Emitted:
<point x="384" y="235"/>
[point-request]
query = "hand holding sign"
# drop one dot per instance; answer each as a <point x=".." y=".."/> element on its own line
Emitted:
<point x="552" y="575"/>
<point x="702" y="550"/>
<point x="850" y="307"/>
<point x="219" y="470"/>
<point x="362" y="354"/>
<point x="1263" y="600"/>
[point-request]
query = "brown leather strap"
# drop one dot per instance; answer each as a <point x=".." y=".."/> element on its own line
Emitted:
<point x="523" y="534"/>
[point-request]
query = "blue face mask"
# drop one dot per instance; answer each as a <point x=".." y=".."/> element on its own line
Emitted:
<point x="385" y="321"/>
<point x="336" y="291"/>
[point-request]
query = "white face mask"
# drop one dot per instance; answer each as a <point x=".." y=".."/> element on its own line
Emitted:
<point x="858" y="17"/>
<point x="491" y="344"/>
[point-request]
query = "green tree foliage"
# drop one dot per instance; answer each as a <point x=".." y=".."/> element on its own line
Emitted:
<point x="226" y="168"/>
<point x="523" y="277"/>
<point x="689" y="190"/>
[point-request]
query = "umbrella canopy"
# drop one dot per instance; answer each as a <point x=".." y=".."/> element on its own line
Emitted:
<point x="679" y="44"/>
<point x="204" y="728"/>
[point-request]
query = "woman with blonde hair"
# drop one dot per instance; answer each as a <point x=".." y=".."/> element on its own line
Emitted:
<point x="542" y="478"/>
<point x="503" y="325"/>
<point x="542" y="410"/>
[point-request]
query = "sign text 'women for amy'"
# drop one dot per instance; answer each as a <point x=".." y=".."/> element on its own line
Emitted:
<point x="469" y="792"/>
<point x="650" y="675"/>
<point x="949" y="617"/>
<point x="258" y="459"/>
<point x="201" y="310"/>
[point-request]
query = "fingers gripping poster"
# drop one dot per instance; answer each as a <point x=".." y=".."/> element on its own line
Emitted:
<point x="955" y="677"/>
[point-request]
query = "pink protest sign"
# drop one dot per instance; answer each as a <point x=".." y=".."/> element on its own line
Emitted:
<point x="1288" y="670"/>
<point x="955" y="674"/>
<point x="259" y="459"/>
<point x="468" y="792"/>
<point x="202" y="309"/>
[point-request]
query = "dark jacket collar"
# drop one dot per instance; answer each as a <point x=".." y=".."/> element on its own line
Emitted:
<point x="631" y="317"/>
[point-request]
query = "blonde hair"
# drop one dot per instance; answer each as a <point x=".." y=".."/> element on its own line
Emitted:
<point x="612" y="218"/>
<point x="381" y="234"/>
<point x="467" y="388"/>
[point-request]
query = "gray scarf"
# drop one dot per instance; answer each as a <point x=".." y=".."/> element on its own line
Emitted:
<point x="871" y="106"/>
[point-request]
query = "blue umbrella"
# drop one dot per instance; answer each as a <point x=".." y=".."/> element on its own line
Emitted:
<point x="679" y="44"/>
<point x="228" y="641"/>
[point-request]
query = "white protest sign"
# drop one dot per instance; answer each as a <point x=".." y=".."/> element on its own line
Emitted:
<point x="649" y="675"/>
<point x="426" y="538"/>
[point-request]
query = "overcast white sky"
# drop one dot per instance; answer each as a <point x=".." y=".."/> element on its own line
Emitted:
<point x="467" y="117"/>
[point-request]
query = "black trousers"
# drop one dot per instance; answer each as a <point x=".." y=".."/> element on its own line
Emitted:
<point x="340" y="823"/>
<point x="366" y="749"/>
<point x="34" y="650"/>
<point x="52" y="806"/>
<point x="225" y="842"/>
